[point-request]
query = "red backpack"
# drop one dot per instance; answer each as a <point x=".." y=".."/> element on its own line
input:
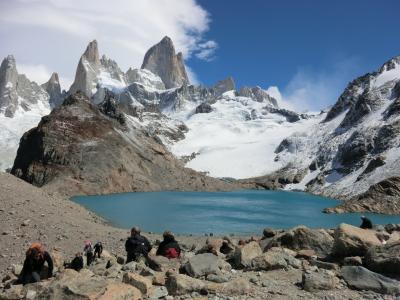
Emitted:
<point x="172" y="253"/>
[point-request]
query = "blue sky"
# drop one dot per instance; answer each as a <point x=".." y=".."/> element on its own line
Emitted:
<point x="315" y="44"/>
<point x="307" y="49"/>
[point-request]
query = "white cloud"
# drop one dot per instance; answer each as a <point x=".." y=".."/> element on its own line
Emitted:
<point x="310" y="90"/>
<point x="38" y="73"/>
<point x="57" y="31"/>
<point x="206" y="51"/>
<point x="41" y="74"/>
<point x="192" y="76"/>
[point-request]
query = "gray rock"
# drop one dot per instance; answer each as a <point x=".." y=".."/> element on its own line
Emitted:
<point x="203" y="265"/>
<point x="275" y="258"/>
<point x="224" y="85"/>
<point x="352" y="261"/>
<point x="384" y="259"/>
<point x="145" y="77"/>
<point x="319" y="281"/>
<point x="53" y="88"/>
<point x="301" y="238"/>
<point x="217" y="278"/>
<point x="257" y="94"/>
<point x="180" y="284"/>
<point x="162" y="60"/>
<point x="361" y="278"/>
<point x="158" y="292"/>
<point x="244" y="255"/>
<point x="8" y="85"/>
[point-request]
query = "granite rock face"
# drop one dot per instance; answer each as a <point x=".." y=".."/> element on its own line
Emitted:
<point x="8" y="84"/>
<point x="162" y="60"/>
<point x="53" y="88"/>
<point x="87" y="71"/>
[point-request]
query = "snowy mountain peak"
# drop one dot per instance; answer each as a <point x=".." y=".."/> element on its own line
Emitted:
<point x="162" y="60"/>
<point x="257" y="94"/>
<point x="225" y="85"/>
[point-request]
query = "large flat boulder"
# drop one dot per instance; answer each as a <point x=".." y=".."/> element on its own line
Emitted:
<point x="361" y="278"/>
<point x="275" y="258"/>
<point x="384" y="259"/>
<point x="353" y="241"/>
<point x="180" y="284"/>
<point x="302" y="238"/>
<point x="203" y="264"/>
<point x="142" y="283"/>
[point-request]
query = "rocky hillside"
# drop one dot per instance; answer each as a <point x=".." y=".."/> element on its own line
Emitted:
<point x="80" y="148"/>
<point x="344" y="263"/>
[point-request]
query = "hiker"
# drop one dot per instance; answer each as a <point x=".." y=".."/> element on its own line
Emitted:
<point x="88" y="250"/>
<point x="35" y="258"/>
<point x="98" y="249"/>
<point x="366" y="223"/>
<point x="169" y="247"/>
<point x="76" y="264"/>
<point x="137" y="246"/>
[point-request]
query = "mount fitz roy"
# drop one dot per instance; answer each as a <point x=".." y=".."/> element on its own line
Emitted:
<point x="136" y="130"/>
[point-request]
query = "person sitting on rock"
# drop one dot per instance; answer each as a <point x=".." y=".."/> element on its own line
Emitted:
<point x="76" y="264"/>
<point x="98" y="249"/>
<point x="366" y="223"/>
<point x="35" y="258"/>
<point x="88" y="250"/>
<point x="169" y="247"/>
<point x="137" y="246"/>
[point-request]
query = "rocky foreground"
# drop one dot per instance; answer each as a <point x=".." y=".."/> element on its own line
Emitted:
<point x="344" y="263"/>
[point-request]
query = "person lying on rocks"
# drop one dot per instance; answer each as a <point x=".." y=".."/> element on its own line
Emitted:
<point x="88" y="250"/>
<point x="137" y="246"/>
<point x="169" y="247"/>
<point x="35" y="258"/>
<point x="98" y="249"/>
<point x="76" y="264"/>
<point x="366" y="223"/>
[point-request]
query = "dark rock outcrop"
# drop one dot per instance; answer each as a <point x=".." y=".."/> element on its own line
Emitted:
<point x="384" y="259"/>
<point x="79" y="150"/>
<point x="162" y="60"/>
<point x="8" y="84"/>
<point x="258" y="94"/>
<point x="203" y="108"/>
<point x="224" y="85"/>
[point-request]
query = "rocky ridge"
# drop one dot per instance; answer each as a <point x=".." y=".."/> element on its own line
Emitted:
<point x="81" y="149"/>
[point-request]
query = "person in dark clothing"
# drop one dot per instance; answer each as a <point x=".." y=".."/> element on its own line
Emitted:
<point x="366" y="223"/>
<point x="88" y="250"/>
<point x="98" y="249"/>
<point x="169" y="247"/>
<point x="137" y="246"/>
<point x="35" y="258"/>
<point x="76" y="264"/>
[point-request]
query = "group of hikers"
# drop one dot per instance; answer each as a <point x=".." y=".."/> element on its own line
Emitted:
<point x="137" y="248"/>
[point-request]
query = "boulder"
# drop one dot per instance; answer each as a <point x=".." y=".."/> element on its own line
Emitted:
<point x="361" y="278"/>
<point x="353" y="241"/>
<point x="304" y="238"/>
<point x="243" y="256"/>
<point x="159" y="278"/>
<point x="120" y="291"/>
<point x="319" y="281"/>
<point x="306" y="254"/>
<point x="75" y="285"/>
<point x="352" y="261"/>
<point x="275" y="258"/>
<point x="180" y="284"/>
<point x="203" y="265"/>
<point x="269" y="232"/>
<point x="203" y="108"/>
<point x="384" y="259"/>
<point x="217" y="278"/>
<point x="158" y="292"/>
<point x="239" y="286"/>
<point x="142" y="283"/>
<point x="324" y="265"/>
<point x="162" y="264"/>
<point x="58" y="259"/>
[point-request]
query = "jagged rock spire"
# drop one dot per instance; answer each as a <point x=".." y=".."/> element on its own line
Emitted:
<point x="162" y="60"/>
<point x="53" y="88"/>
<point x="87" y="70"/>
<point x="8" y="84"/>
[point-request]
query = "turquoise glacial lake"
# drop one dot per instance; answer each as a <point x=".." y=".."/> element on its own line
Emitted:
<point x="238" y="212"/>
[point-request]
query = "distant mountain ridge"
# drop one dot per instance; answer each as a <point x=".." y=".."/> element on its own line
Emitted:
<point x="238" y="133"/>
